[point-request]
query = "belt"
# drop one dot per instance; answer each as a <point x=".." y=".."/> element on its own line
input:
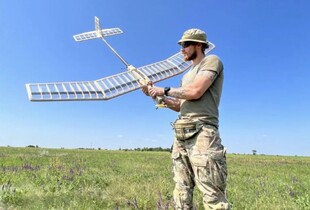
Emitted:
<point x="207" y="124"/>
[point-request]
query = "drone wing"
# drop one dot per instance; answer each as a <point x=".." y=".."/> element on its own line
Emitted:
<point x="108" y="87"/>
<point x="112" y="86"/>
<point x="168" y="68"/>
<point x="102" y="89"/>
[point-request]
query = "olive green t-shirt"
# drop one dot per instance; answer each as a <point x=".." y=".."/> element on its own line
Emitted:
<point x="206" y="107"/>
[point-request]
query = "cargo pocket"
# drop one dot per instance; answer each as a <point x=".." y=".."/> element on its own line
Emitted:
<point x="211" y="169"/>
<point x="176" y="163"/>
<point x="175" y="155"/>
<point x="217" y="168"/>
<point x="182" y="170"/>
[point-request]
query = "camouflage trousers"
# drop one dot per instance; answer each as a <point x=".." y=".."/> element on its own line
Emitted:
<point x="200" y="161"/>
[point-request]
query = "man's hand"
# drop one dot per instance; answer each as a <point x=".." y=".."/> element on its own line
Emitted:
<point x="145" y="88"/>
<point x="156" y="91"/>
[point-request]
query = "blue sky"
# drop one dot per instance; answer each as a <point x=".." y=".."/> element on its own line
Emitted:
<point x="264" y="46"/>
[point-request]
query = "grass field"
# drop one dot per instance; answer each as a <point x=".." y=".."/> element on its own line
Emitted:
<point x="37" y="178"/>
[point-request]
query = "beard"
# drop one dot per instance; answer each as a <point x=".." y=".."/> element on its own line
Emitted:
<point x="191" y="56"/>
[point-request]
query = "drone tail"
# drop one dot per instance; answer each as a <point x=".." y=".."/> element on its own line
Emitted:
<point x="97" y="33"/>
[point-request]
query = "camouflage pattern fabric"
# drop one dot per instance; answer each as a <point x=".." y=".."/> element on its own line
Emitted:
<point x="200" y="161"/>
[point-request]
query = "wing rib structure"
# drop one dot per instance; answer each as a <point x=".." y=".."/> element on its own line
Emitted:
<point x="108" y="87"/>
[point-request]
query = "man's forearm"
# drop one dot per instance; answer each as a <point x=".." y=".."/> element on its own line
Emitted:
<point x="177" y="93"/>
<point x="172" y="103"/>
<point x="186" y="93"/>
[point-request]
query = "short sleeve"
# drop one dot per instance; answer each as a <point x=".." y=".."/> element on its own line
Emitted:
<point x="211" y="63"/>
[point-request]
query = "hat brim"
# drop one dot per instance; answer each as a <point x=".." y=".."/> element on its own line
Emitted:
<point x="191" y="40"/>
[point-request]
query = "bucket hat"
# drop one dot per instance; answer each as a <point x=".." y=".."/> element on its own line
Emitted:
<point x="194" y="35"/>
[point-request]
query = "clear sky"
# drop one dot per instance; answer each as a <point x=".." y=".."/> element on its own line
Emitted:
<point x="264" y="46"/>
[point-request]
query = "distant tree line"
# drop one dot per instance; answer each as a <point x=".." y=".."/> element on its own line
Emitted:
<point x="32" y="146"/>
<point x="148" y="149"/>
<point x="144" y="149"/>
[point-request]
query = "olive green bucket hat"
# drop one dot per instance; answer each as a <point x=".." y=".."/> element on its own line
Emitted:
<point x="194" y="35"/>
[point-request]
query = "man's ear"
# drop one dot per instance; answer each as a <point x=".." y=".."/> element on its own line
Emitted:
<point x="199" y="44"/>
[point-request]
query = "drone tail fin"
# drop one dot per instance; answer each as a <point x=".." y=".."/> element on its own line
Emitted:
<point x="98" y="27"/>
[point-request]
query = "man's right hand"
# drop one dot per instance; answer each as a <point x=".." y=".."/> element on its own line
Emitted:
<point x="145" y="88"/>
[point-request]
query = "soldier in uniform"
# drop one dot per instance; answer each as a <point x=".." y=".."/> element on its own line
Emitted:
<point x="198" y="154"/>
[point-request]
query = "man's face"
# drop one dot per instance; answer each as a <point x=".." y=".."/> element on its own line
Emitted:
<point x="188" y="51"/>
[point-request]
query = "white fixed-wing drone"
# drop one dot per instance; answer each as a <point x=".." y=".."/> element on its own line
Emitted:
<point x="111" y="86"/>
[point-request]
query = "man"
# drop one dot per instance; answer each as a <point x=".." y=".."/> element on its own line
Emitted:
<point x="198" y="155"/>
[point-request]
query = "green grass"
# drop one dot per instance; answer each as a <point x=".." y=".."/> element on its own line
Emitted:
<point x="269" y="182"/>
<point x="37" y="178"/>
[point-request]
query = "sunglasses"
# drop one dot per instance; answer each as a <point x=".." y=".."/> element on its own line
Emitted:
<point x="186" y="44"/>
